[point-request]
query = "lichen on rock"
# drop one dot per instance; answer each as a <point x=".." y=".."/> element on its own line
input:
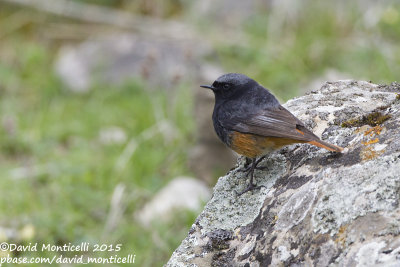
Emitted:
<point x="318" y="208"/>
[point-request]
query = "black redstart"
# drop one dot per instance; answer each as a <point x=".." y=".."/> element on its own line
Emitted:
<point x="250" y="120"/>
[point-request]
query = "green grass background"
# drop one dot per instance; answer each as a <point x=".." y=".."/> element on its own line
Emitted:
<point x="53" y="134"/>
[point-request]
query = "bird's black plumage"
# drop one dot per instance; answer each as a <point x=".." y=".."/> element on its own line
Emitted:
<point x="247" y="107"/>
<point x="247" y="113"/>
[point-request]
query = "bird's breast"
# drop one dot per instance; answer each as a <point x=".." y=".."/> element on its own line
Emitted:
<point x="252" y="146"/>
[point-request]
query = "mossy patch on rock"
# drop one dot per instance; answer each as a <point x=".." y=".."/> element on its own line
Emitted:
<point x="373" y="119"/>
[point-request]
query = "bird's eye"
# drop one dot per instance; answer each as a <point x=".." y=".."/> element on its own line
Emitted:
<point x="226" y="86"/>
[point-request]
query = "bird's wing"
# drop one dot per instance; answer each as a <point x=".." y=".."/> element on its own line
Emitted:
<point x="273" y="122"/>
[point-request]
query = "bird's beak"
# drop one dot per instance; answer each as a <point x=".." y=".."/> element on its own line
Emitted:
<point x="207" y="86"/>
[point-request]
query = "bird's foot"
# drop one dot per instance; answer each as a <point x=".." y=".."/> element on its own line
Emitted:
<point x="250" y="188"/>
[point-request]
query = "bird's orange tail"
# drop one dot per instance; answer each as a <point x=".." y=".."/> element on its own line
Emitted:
<point x="330" y="147"/>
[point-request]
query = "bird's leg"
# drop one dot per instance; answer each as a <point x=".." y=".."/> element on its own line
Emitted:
<point x="252" y="185"/>
<point x="248" y="168"/>
<point x="258" y="161"/>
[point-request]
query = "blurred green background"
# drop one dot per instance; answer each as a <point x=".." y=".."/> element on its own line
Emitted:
<point x="57" y="176"/>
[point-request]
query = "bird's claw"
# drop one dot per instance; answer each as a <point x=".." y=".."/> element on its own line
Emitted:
<point x="250" y="188"/>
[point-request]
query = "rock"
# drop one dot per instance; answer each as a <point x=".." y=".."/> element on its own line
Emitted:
<point x="116" y="58"/>
<point x="182" y="193"/>
<point x="318" y="208"/>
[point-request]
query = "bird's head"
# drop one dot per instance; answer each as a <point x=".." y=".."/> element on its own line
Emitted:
<point x="230" y="84"/>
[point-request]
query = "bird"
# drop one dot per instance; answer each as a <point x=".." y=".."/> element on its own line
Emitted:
<point x="249" y="119"/>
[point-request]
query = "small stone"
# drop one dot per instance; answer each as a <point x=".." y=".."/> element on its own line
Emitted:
<point x="182" y="193"/>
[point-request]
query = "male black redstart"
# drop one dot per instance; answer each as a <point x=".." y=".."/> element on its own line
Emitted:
<point x="250" y="120"/>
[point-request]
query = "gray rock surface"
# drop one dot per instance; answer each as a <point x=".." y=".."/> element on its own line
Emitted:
<point x="116" y="58"/>
<point x="318" y="208"/>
